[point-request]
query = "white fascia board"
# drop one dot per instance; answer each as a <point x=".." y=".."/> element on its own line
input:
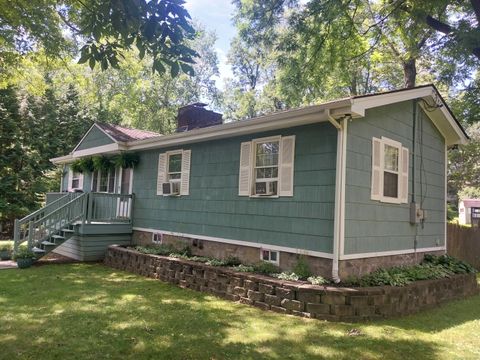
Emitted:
<point x="62" y="159"/>
<point x="429" y="93"/>
<point x="104" y="149"/>
<point x="281" y="120"/>
<point x="99" y="150"/>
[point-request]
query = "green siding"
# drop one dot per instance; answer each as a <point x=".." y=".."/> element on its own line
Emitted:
<point x="94" y="138"/>
<point x="92" y="240"/>
<point x="213" y="208"/>
<point x="87" y="180"/>
<point x="372" y="226"/>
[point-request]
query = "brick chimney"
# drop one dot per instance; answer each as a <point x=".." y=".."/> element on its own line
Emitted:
<point x="195" y="116"/>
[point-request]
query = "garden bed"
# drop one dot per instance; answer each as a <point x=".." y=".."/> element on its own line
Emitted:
<point x="296" y="298"/>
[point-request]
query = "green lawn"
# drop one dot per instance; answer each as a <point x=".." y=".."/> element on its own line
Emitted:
<point x="85" y="311"/>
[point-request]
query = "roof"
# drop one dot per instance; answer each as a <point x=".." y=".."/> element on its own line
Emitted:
<point x="444" y="103"/>
<point x="469" y="203"/>
<point x="354" y="107"/>
<point x="124" y="134"/>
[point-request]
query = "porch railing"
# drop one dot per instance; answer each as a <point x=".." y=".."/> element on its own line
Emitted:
<point x="71" y="208"/>
<point x="107" y="207"/>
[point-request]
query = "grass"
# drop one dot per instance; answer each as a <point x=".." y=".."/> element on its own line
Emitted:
<point x="88" y="311"/>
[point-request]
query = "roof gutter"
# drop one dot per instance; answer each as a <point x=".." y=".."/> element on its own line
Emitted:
<point x="279" y="120"/>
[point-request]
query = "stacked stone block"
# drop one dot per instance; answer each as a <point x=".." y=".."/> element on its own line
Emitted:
<point x="296" y="298"/>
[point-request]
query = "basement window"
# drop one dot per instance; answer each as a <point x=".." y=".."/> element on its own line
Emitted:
<point x="269" y="256"/>
<point x="157" y="238"/>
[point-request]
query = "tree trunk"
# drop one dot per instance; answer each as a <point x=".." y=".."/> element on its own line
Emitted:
<point x="409" y="73"/>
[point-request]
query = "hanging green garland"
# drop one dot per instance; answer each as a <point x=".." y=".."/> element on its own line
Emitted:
<point x="103" y="162"/>
<point x="126" y="160"/>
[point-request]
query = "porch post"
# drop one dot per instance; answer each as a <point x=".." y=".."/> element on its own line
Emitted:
<point x="16" y="236"/>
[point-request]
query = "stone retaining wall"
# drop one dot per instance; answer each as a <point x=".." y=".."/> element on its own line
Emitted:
<point x="301" y="299"/>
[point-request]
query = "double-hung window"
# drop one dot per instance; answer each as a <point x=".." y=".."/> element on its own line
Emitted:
<point x="104" y="181"/>
<point x="173" y="176"/>
<point x="389" y="171"/>
<point x="75" y="181"/>
<point x="266" y="167"/>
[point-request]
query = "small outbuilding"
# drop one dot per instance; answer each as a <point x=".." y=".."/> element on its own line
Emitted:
<point x="469" y="212"/>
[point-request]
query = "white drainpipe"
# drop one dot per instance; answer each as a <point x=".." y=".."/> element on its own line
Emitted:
<point x="339" y="222"/>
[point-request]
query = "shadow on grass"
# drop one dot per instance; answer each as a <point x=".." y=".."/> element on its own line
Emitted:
<point x="89" y="311"/>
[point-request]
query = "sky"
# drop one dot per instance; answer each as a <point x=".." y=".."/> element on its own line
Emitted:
<point x="216" y="15"/>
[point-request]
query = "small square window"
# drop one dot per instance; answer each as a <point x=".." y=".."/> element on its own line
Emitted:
<point x="157" y="238"/>
<point x="269" y="255"/>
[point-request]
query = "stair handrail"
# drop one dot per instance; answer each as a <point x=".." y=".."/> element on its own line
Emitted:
<point x="76" y="199"/>
<point x="48" y="206"/>
<point x="33" y="223"/>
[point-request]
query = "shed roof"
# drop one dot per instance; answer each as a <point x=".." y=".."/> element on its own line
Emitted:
<point x="469" y="203"/>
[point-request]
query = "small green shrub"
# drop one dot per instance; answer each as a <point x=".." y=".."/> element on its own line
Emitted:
<point x="201" y="259"/>
<point x="232" y="261"/>
<point x="163" y="249"/>
<point x="449" y="262"/>
<point x="6" y="245"/>
<point x="290" y="276"/>
<point x="244" y="268"/>
<point x="215" y="262"/>
<point x="317" y="280"/>
<point x="432" y="267"/>
<point x="302" y="269"/>
<point x="186" y="251"/>
<point x="24" y="253"/>
<point x="266" y="268"/>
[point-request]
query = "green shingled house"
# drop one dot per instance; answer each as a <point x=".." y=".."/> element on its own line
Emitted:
<point x="352" y="184"/>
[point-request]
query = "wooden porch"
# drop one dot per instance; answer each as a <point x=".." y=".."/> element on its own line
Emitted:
<point x="77" y="225"/>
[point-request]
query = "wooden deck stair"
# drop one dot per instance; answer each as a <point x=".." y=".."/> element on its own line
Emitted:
<point x="46" y="229"/>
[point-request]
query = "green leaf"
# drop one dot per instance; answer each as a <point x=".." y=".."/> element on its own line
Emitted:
<point x="187" y="69"/>
<point x="91" y="63"/>
<point x="104" y="63"/>
<point x="174" y="69"/>
<point x="84" y="56"/>
<point x="158" y="66"/>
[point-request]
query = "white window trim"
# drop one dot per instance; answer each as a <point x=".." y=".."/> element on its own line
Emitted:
<point x="71" y="177"/>
<point x="159" y="236"/>
<point x="253" y="167"/>
<point x="184" y="180"/>
<point x="97" y="185"/>
<point x="276" y="262"/>
<point x="167" y="173"/>
<point x="382" y="198"/>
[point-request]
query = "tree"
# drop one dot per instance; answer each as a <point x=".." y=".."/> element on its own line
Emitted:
<point x="464" y="35"/>
<point x="463" y="162"/>
<point x="159" y="28"/>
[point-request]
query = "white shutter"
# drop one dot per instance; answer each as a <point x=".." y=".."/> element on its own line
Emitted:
<point x="244" y="186"/>
<point x="70" y="178"/>
<point x="287" y="157"/>
<point x="80" y="181"/>
<point x="162" y="172"/>
<point x="185" y="182"/>
<point x="377" y="178"/>
<point x="403" y="186"/>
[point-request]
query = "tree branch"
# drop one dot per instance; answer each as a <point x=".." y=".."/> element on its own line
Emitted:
<point x="438" y="25"/>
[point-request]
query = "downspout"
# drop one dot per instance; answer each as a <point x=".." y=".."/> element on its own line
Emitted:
<point x="339" y="194"/>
